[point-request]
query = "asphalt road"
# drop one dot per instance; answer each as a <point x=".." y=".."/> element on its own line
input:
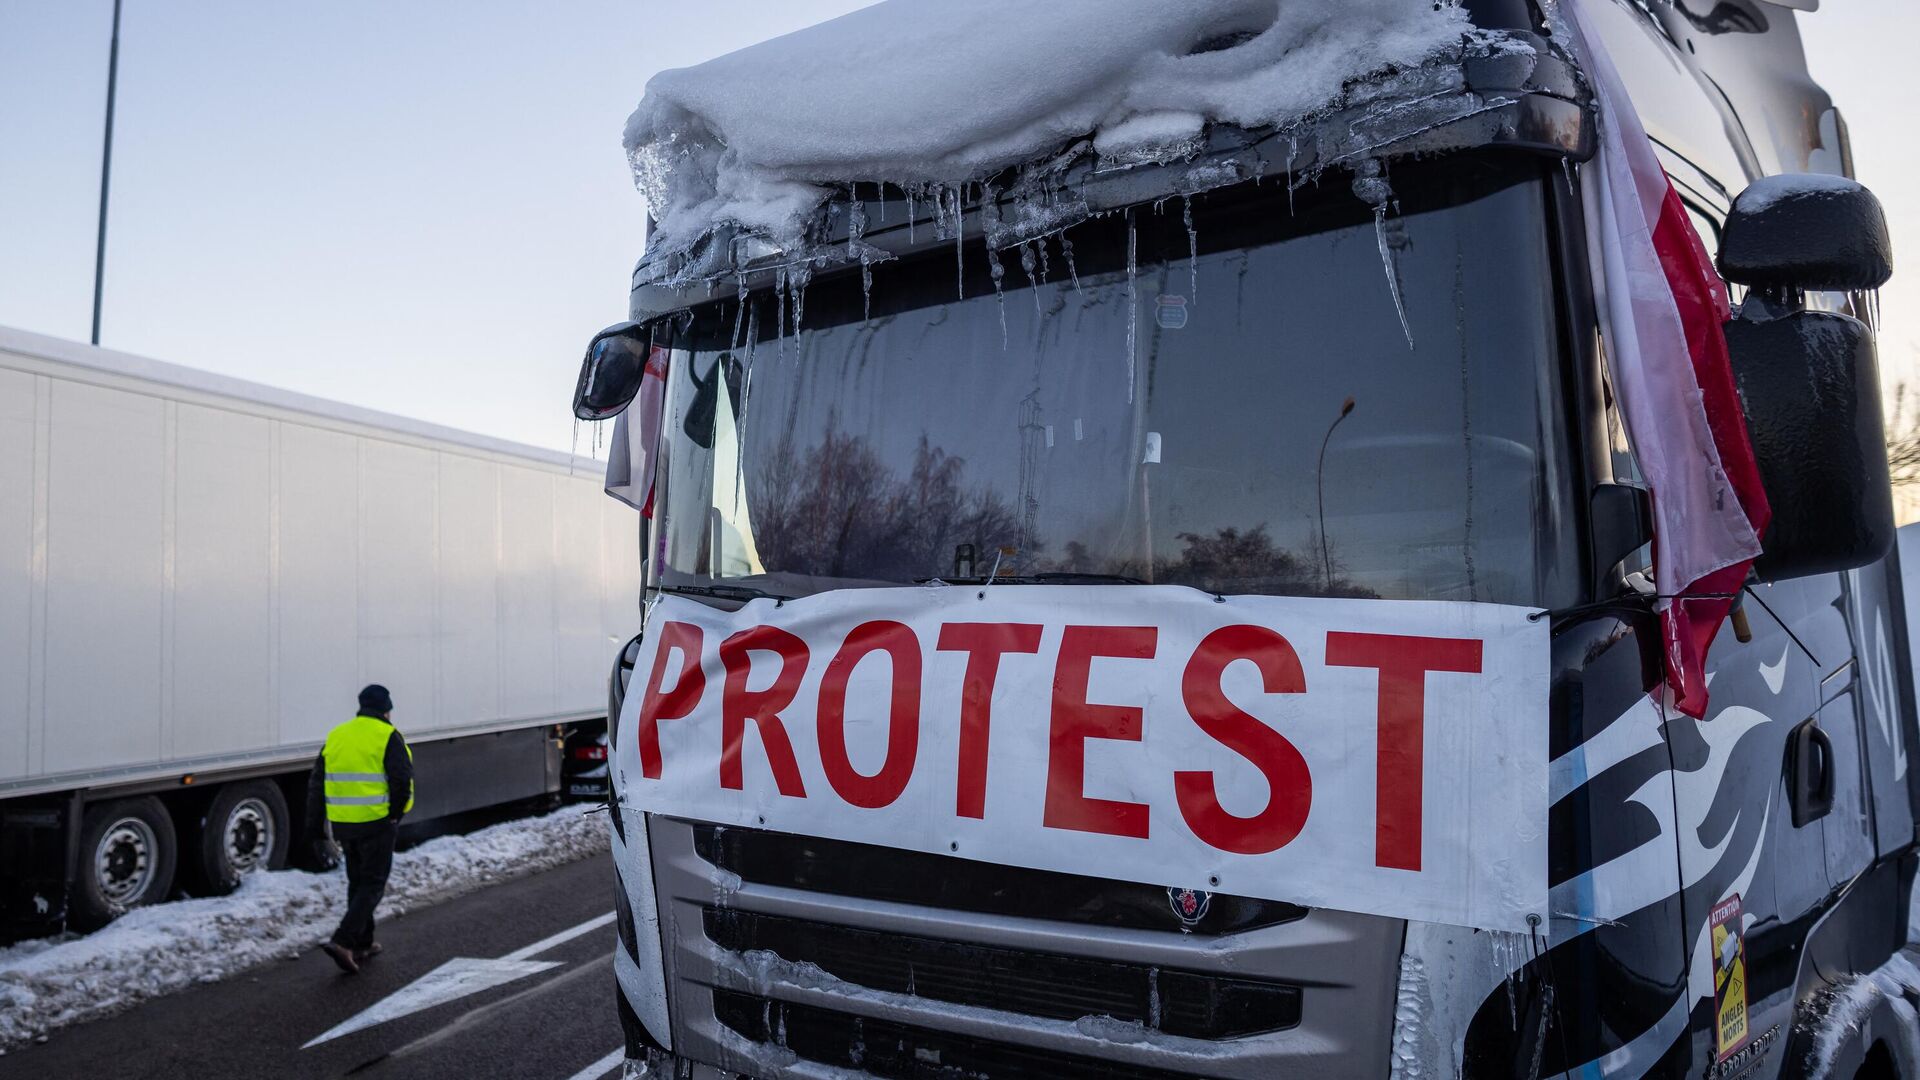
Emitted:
<point x="536" y="954"/>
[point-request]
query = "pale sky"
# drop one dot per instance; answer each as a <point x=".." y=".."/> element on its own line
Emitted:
<point x="421" y="206"/>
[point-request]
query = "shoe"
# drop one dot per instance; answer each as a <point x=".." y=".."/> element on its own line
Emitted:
<point x="361" y="956"/>
<point x="342" y="956"/>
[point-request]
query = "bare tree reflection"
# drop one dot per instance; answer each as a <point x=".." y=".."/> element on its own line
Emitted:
<point x="837" y="510"/>
<point x="1231" y="561"/>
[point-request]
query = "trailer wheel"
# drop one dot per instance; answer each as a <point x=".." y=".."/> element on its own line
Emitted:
<point x="127" y="857"/>
<point x="246" y="829"/>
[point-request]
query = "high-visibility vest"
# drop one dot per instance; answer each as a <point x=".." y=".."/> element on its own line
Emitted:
<point x="356" y="770"/>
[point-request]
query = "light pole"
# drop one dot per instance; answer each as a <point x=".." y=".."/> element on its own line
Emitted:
<point x="1320" y="484"/>
<point x="106" y="173"/>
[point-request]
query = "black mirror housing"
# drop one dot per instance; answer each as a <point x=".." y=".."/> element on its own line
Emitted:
<point x="1806" y="231"/>
<point x="1810" y="384"/>
<point x="611" y="374"/>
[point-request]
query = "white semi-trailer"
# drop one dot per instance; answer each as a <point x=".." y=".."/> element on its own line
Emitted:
<point x="198" y="573"/>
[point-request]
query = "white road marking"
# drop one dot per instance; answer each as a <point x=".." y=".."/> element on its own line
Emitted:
<point x="602" y="1067"/>
<point x="560" y="938"/>
<point x="458" y="978"/>
<point x="450" y="981"/>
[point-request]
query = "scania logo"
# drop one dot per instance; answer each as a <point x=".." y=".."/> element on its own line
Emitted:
<point x="1190" y="905"/>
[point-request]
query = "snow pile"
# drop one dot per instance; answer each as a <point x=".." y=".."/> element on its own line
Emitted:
<point x="157" y="950"/>
<point x="1412" y="1036"/>
<point x="1843" y="1009"/>
<point x="914" y="92"/>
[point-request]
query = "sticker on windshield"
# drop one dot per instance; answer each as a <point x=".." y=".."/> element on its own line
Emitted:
<point x="1170" y="312"/>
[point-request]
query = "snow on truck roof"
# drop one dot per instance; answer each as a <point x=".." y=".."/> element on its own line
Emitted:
<point x="916" y="92"/>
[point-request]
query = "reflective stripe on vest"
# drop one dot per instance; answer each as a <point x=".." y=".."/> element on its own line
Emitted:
<point x="356" y="770"/>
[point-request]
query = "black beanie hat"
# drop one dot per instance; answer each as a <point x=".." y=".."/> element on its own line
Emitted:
<point x="375" y="701"/>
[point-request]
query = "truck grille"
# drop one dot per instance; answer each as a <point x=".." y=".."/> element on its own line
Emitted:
<point x="941" y="881"/>
<point x="900" y="1052"/>
<point x="907" y="965"/>
<point x="1058" y="987"/>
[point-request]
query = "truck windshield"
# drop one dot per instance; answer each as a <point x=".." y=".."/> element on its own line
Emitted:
<point x="1239" y="404"/>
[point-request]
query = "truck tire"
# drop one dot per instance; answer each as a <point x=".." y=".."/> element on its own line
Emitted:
<point x="246" y="829"/>
<point x="127" y="858"/>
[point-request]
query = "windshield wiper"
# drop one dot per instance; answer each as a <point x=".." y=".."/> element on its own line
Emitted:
<point x="742" y="593"/>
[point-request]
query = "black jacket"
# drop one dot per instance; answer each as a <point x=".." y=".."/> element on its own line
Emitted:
<point x="399" y="769"/>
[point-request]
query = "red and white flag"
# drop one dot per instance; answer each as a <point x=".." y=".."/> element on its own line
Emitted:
<point x="636" y="438"/>
<point x="1662" y="307"/>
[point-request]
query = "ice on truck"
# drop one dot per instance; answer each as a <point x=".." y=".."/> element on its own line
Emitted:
<point x="927" y="92"/>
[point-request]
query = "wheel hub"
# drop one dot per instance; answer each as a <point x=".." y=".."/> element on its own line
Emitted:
<point x="123" y="860"/>
<point x="248" y="835"/>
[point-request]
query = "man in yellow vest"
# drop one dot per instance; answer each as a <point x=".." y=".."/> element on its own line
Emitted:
<point x="364" y="780"/>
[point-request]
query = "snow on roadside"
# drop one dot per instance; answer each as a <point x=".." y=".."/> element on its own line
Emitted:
<point x="157" y="950"/>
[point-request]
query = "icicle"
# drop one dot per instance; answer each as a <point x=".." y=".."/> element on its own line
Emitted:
<point x="1509" y="956"/>
<point x="1046" y="265"/>
<point x="990" y="232"/>
<point x="1030" y="264"/>
<point x="1066" y="248"/>
<point x="1372" y="187"/>
<point x="1392" y="265"/>
<point x="1133" y="305"/>
<point x="1293" y="147"/>
<point x="1392" y="238"/>
<point x="999" y="292"/>
<point x="912" y="214"/>
<point x="798" y="280"/>
<point x="856" y="221"/>
<point x="857" y="246"/>
<point x="866" y="288"/>
<point x="1153" y="998"/>
<point x="740" y="437"/>
<point x="780" y="329"/>
<point x="753" y="335"/>
<point x="1193" y="247"/>
<point x="960" y="240"/>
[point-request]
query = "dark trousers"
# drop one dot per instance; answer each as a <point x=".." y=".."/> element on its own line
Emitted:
<point x="369" y="860"/>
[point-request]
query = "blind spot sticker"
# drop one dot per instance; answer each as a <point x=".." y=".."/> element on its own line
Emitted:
<point x="1729" y="978"/>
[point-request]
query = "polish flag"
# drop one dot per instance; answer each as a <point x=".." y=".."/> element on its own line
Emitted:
<point x="1662" y="306"/>
<point x="632" y="457"/>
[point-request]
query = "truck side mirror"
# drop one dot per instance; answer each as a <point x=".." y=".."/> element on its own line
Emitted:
<point x="1810" y="380"/>
<point x="611" y="374"/>
<point x="1806" y="231"/>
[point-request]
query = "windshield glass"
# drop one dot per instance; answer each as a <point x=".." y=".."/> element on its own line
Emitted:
<point x="1232" y="406"/>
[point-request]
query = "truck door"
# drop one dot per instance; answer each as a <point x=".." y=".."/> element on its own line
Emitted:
<point x="1750" y="872"/>
<point x="1856" y="738"/>
<point x="1879" y="646"/>
<point x="1846" y="828"/>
